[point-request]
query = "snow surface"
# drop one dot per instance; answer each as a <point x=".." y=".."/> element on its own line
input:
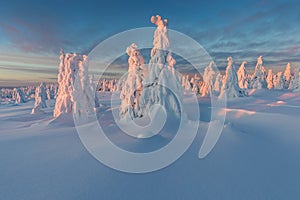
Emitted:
<point x="257" y="156"/>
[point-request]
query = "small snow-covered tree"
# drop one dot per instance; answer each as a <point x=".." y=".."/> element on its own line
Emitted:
<point x="187" y="84"/>
<point x="208" y="76"/>
<point x="196" y="83"/>
<point x="270" y="79"/>
<point x="19" y="96"/>
<point x="279" y="81"/>
<point x="287" y="76"/>
<point x="258" y="79"/>
<point x="218" y="83"/>
<point x="230" y="86"/>
<point x="133" y="87"/>
<point x="40" y="99"/>
<point x="295" y="81"/>
<point x="242" y="76"/>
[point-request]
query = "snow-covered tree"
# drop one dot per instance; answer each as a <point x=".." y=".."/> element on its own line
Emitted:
<point x="295" y="81"/>
<point x="66" y="77"/>
<point x="270" y="79"/>
<point x="218" y="83"/>
<point x="258" y="79"/>
<point x="287" y="76"/>
<point x="196" y="82"/>
<point x="40" y="99"/>
<point x="133" y="87"/>
<point x="19" y="96"/>
<point x="242" y="76"/>
<point x="208" y="76"/>
<point x="162" y="85"/>
<point x="83" y="98"/>
<point x="187" y="84"/>
<point x="230" y="86"/>
<point x="279" y="81"/>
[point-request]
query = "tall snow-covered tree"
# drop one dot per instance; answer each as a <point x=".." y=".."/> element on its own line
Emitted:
<point x="133" y="86"/>
<point x="230" y="86"/>
<point x="83" y="97"/>
<point x="162" y="85"/>
<point x="70" y="67"/>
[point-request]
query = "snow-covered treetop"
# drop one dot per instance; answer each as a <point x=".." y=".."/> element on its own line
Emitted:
<point x="259" y="60"/>
<point x="229" y="61"/>
<point x="243" y="64"/>
<point x="135" y="57"/>
<point x="161" y="40"/>
<point x="159" y="22"/>
<point x="211" y="64"/>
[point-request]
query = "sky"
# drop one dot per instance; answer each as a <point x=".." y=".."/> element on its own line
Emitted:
<point x="32" y="32"/>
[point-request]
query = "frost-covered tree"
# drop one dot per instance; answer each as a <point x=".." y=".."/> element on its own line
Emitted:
<point x="218" y="83"/>
<point x="68" y="68"/>
<point x="94" y="91"/>
<point x="295" y="81"/>
<point x="258" y="79"/>
<point x="196" y="82"/>
<point x="187" y="84"/>
<point x="83" y="98"/>
<point x="133" y="86"/>
<point x="279" y="81"/>
<point x="230" y="86"/>
<point x="162" y="85"/>
<point x="270" y="79"/>
<point x="208" y="76"/>
<point x="242" y="76"/>
<point x="287" y="76"/>
<point x="40" y="99"/>
<point x="18" y="96"/>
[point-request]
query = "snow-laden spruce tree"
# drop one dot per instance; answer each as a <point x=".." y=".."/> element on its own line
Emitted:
<point x="208" y="76"/>
<point x="64" y="99"/>
<point x="187" y="84"/>
<point x="133" y="86"/>
<point x="287" y="76"/>
<point x="279" y="81"/>
<point x="68" y="68"/>
<point x="94" y="91"/>
<point x="270" y="79"/>
<point x="40" y="99"/>
<point x="258" y="79"/>
<point x="18" y="96"/>
<point x="196" y="82"/>
<point x="230" y="86"/>
<point x="295" y="81"/>
<point x="242" y="76"/>
<point x="83" y="97"/>
<point x="162" y="85"/>
<point x="218" y="83"/>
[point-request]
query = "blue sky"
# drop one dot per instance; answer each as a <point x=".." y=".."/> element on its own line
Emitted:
<point x="32" y="32"/>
